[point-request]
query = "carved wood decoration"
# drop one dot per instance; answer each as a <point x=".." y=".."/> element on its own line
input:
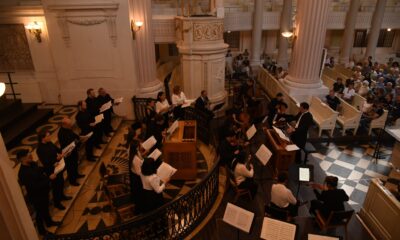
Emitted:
<point x="14" y="48"/>
<point x="208" y="31"/>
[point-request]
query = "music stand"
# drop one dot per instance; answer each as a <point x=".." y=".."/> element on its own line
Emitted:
<point x="305" y="175"/>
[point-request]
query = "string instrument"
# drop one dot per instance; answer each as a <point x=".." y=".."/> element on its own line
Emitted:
<point x="245" y="121"/>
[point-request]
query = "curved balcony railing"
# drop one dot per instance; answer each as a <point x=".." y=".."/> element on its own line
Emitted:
<point x="175" y="220"/>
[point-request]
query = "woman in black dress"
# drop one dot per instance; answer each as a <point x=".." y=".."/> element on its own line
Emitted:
<point x="135" y="164"/>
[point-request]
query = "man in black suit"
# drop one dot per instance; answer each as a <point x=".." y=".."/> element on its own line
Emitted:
<point x="85" y="122"/>
<point x="93" y="108"/>
<point x="49" y="155"/>
<point x="37" y="185"/>
<point x="104" y="98"/>
<point x="272" y="108"/>
<point x="203" y="104"/>
<point x="304" y="120"/>
<point x="65" y="137"/>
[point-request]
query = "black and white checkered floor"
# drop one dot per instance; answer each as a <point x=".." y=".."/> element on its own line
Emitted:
<point x="354" y="166"/>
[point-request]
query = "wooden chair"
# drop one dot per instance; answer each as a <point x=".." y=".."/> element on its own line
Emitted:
<point x="238" y="191"/>
<point x="334" y="220"/>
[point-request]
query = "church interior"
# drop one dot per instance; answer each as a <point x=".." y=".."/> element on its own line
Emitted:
<point x="200" y="119"/>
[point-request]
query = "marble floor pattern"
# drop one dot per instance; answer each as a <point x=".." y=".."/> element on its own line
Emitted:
<point x="354" y="166"/>
<point x="92" y="209"/>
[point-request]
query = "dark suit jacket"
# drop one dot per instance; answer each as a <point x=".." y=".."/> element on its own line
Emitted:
<point x="201" y="104"/>
<point x="83" y="119"/>
<point x="332" y="200"/>
<point x="47" y="153"/>
<point x="92" y="106"/>
<point x="299" y="136"/>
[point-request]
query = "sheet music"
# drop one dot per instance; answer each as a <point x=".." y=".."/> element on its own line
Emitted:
<point x="118" y="100"/>
<point x="173" y="127"/>
<point x="60" y="166"/>
<point x="155" y="154"/>
<point x="84" y="138"/>
<point x="165" y="171"/>
<point x="263" y="154"/>
<point x="238" y="217"/>
<point x="320" y="237"/>
<point x="187" y="103"/>
<point x="277" y="230"/>
<point x="304" y="174"/>
<point x="98" y="118"/>
<point x="291" y="147"/>
<point x="281" y="134"/>
<point x="68" y="149"/>
<point x="149" y="143"/>
<point x="106" y="106"/>
<point x="251" y="131"/>
<point x="265" y="119"/>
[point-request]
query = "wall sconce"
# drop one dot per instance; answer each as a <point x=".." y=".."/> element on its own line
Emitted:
<point x="135" y="27"/>
<point x="389" y="29"/>
<point x="2" y="88"/>
<point x="289" y="36"/>
<point x="36" y="29"/>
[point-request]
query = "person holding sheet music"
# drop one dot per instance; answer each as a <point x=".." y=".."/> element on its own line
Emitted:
<point x="150" y="112"/>
<point x="299" y="133"/>
<point x="330" y="198"/>
<point x="49" y="155"/>
<point x="65" y="137"/>
<point x="92" y="107"/>
<point x="135" y="165"/>
<point x="244" y="174"/>
<point x="153" y="187"/>
<point x="104" y="98"/>
<point x="158" y="130"/>
<point x="282" y="197"/>
<point x="37" y="185"/>
<point x="162" y="105"/>
<point x="86" y="123"/>
<point x="178" y="99"/>
<point x="203" y="104"/>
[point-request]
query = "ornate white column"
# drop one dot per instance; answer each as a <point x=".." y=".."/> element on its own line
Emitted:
<point x="145" y="51"/>
<point x="257" y="32"/>
<point x="376" y="24"/>
<point x="348" y="35"/>
<point x="286" y="21"/>
<point x="202" y="53"/>
<point x="270" y="42"/>
<point x="218" y="7"/>
<point x="305" y="64"/>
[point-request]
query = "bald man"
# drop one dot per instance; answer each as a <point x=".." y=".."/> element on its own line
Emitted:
<point x="65" y="137"/>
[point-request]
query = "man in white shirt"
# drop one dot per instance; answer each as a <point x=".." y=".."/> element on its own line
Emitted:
<point x="282" y="197"/>
<point x="349" y="92"/>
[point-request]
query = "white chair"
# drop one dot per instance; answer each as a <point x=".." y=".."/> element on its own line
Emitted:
<point x="379" y="122"/>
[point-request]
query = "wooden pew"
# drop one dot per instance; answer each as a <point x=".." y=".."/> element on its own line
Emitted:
<point x="272" y="86"/>
<point x="349" y="117"/>
<point x="343" y="70"/>
<point x="328" y="82"/>
<point x="324" y="116"/>
<point x="358" y="101"/>
<point x="379" y="122"/>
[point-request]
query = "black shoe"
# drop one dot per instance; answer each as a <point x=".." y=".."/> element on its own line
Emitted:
<point x="59" y="206"/>
<point x="74" y="184"/>
<point x="66" y="197"/>
<point x="53" y="223"/>
<point x="81" y="175"/>
<point x="98" y="146"/>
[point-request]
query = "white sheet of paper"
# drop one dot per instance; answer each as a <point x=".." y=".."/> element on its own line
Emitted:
<point x="106" y="106"/>
<point x="251" y="131"/>
<point x="84" y="138"/>
<point x="265" y="119"/>
<point x="238" y="217"/>
<point x="292" y="147"/>
<point x="155" y="154"/>
<point x="165" y="171"/>
<point x="98" y="118"/>
<point x="320" y="237"/>
<point x="118" y="100"/>
<point x="263" y="154"/>
<point x="68" y="149"/>
<point x="277" y="230"/>
<point x="173" y="127"/>
<point x="187" y="103"/>
<point x="281" y="134"/>
<point x="60" y="166"/>
<point x="304" y="174"/>
<point x="149" y="143"/>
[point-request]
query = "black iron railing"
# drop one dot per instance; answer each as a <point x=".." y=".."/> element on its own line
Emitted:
<point x="175" y="220"/>
<point x="11" y="84"/>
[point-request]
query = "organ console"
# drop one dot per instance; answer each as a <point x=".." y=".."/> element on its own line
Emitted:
<point x="281" y="158"/>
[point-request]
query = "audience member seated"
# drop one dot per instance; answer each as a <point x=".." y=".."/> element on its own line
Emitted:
<point x="243" y="173"/>
<point x="332" y="100"/>
<point x="375" y="112"/>
<point x="348" y="93"/>
<point x="203" y="104"/>
<point x="329" y="199"/>
<point x="37" y="184"/>
<point x="367" y="105"/>
<point x="364" y="89"/>
<point x="338" y="86"/>
<point x="153" y="187"/>
<point x="282" y="197"/>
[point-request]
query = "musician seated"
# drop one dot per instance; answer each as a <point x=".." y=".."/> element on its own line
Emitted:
<point x="162" y="105"/>
<point x="247" y="93"/>
<point x="272" y="107"/>
<point x="178" y="99"/>
<point x="281" y="118"/>
<point x="329" y="199"/>
<point x="332" y="100"/>
<point x="203" y="104"/>
<point x="229" y="148"/>
<point x="244" y="174"/>
<point x="282" y="197"/>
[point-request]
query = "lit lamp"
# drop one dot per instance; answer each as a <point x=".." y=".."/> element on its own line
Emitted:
<point x="288" y="35"/>
<point x="135" y="27"/>
<point x="36" y="29"/>
<point x="2" y="88"/>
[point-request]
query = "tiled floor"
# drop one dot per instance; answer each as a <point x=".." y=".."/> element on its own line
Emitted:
<point x="354" y="167"/>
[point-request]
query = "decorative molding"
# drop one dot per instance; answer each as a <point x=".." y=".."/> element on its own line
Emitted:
<point x="86" y="15"/>
<point x="208" y="31"/>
